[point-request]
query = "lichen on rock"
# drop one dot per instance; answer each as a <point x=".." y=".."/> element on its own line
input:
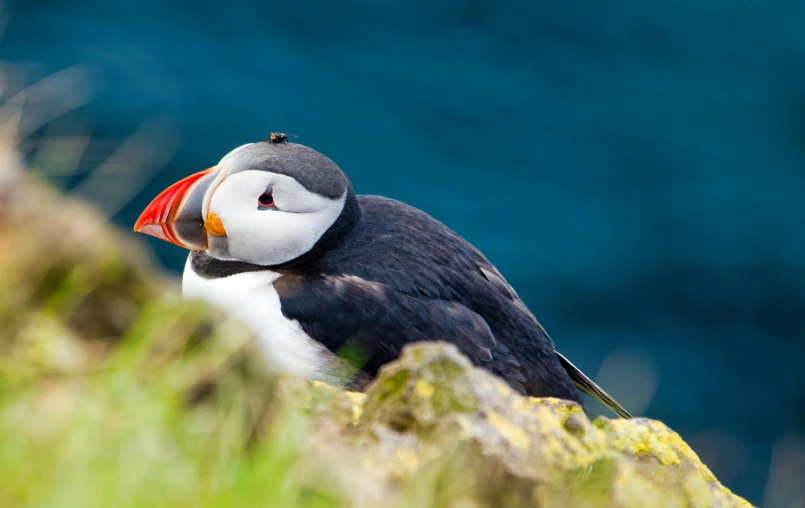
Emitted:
<point x="433" y="413"/>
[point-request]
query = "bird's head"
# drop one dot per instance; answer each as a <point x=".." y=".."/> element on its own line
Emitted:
<point x="265" y="203"/>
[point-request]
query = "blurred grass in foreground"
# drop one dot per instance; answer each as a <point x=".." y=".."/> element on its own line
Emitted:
<point x="125" y="436"/>
<point x="113" y="392"/>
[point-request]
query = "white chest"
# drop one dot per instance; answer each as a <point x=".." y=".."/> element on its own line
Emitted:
<point x="251" y="298"/>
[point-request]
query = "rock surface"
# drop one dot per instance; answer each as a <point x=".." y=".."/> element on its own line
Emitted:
<point x="433" y="415"/>
<point x="432" y="430"/>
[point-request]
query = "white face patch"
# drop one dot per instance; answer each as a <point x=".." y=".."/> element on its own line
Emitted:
<point x="251" y="298"/>
<point x="268" y="236"/>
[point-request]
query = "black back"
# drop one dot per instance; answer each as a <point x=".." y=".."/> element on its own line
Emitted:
<point x="392" y="275"/>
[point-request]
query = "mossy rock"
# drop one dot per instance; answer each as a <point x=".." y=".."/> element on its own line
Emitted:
<point x="432" y="418"/>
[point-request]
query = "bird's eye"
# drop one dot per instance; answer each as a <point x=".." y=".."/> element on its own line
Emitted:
<point x="266" y="199"/>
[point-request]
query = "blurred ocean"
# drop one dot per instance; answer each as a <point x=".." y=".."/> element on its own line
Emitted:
<point x="636" y="170"/>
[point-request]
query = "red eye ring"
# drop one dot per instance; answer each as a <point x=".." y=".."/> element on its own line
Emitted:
<point x="266" y="199"/>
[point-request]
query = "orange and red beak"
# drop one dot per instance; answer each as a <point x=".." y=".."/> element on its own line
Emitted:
<point x="176" y="214"/>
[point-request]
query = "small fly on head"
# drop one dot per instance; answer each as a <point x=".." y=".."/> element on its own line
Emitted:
<point x="277" y="137"/>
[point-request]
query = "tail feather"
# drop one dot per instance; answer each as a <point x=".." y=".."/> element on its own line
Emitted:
<point x="587" y="385"/>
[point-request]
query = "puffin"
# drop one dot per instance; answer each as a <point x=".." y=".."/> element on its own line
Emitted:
<point x="334" y="284"/>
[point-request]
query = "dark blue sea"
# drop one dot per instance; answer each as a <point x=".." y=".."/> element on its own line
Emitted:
<point x="635" y="169"/>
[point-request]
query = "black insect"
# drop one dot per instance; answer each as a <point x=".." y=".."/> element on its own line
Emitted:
<point x="277" y="137"/>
